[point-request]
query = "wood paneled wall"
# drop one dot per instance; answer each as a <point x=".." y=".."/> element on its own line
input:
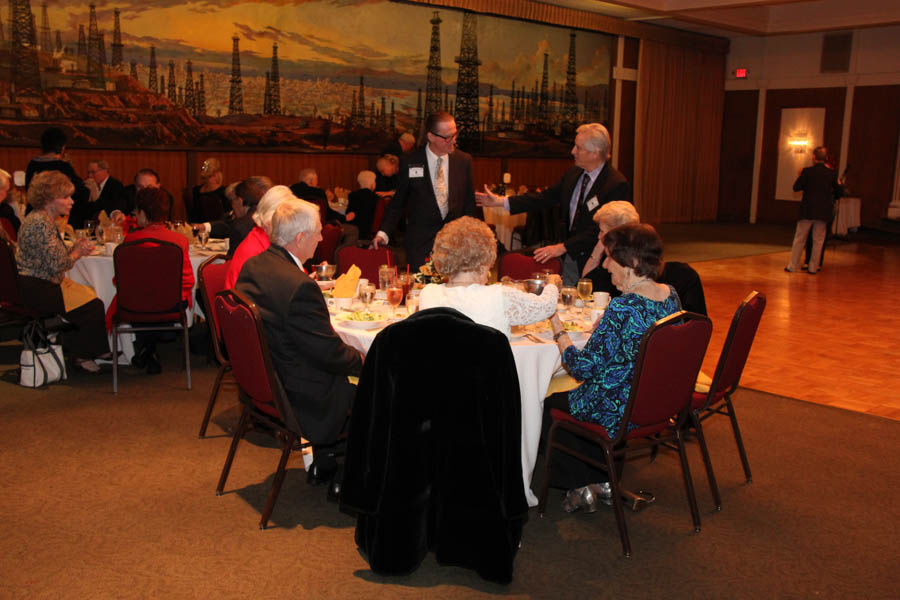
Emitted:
<point x="738" y="146"/>
<point x="872" y="149"/>
<point x="770" y="210"/>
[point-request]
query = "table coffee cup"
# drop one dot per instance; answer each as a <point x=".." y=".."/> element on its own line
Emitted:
<point x="601" y="299"/>
<point x="110" y="248"/>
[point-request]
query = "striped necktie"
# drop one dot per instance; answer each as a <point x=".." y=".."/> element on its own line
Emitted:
<point x="440" y="187"/>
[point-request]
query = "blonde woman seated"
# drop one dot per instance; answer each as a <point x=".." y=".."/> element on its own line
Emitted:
<point x="464" y="252"/>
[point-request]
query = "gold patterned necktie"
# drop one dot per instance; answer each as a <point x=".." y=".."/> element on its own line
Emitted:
<point x="440" y="187"/>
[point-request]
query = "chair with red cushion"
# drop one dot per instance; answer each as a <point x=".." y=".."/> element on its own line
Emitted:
<point x="367" y="260"/>
<point x="717" y="401"/>
<point x="378" y="217"/>
<point x="263" y="399"/>
<point x="520" y="266"/>
<point x="665" y="370"/>
<point x="148" y="280"/>
<point x="211" y="277"/>
<point x="331" y="236"/>
<point x="7" y="226"/>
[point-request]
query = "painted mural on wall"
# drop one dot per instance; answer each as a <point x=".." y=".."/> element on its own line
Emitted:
<point x="314" y="75"/>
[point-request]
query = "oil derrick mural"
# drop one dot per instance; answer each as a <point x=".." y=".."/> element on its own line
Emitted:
<point x="272" y="96"/>
<point x="46" y="39"/>
<point x="117" y="41"/>
<point x="467" y="86"/>
<point x="25" y="74"/>
<point x="151" y="81"/>
<point x="236" y="89"/>
<point x="543" y="106"/>
<point x="189" y="101"/>
<point x="570" y="100"/>
<point x="94" y="58"/>
<point x="434" y="84"/>
<point x="171" y="92"/>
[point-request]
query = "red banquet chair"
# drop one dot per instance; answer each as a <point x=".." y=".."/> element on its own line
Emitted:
<point x="665" y="370"/>
<point x="331" y="236"/>
<point x="717" y="401"/>
<point x="263" y="399"/>
<point x="378" y="217"/>
<point x="520" y="266"/>
<point x="211" y="277"/>
<point x="7" y="226"/>
<point x="148" y="291"/>
<point x="367" y="260"/>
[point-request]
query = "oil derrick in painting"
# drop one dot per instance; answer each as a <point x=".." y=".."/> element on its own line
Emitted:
<point x="236" y="91"/>
<point x="467" y="118"/>
<point x="117" y="41"/>
<point x="25" y="75"/>
<point x="102" y="44"/>
<point x="171" y="91"/>
<point x="351" y="120"/>
<point x="272" y="98"/>
<point x="433" y="84"/>
<point x="94" y="64"/>
<point x="418" y="128"/>
<point x="382" y="116"/>
<point x="151" y="80"/>
<point x="570" y="100"/>
<point x="59" y="44"/>
<point x="133" y="71"/>
<point x="190" y="102"/>
<point x="545" y="84"/>
<point x="46" y="38"/>
<point x="489" y="117"/>
<point x="82" y="49"/>
<point x="361" y="104"/>
<point x="201" y="97"/>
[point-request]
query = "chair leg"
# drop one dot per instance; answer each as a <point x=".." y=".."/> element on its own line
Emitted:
<point x="276" y="484"/>
<point x="187" y="349"/>
<point x="548" y="450"/>
<point x="212" y="399"/>
<point x="738" y="439"/>
<point x="236" y="438"/>
<point x="704" y="451"/>
<point x="688" y="481"/>
<point x="617" y="501"/>
<point x="115" y="357"/>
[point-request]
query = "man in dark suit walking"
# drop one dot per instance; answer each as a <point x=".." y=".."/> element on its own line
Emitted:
<point x="584" y="188"/>
<point x="820" y="188"/>
<point x="309" y="357"/>
<point x="435" y="187"/>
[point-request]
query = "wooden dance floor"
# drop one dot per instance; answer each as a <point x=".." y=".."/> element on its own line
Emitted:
<point x="831" y="338"/>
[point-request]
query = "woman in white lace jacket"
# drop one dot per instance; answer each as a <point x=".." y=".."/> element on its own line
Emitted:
<point x="464" y="251"/>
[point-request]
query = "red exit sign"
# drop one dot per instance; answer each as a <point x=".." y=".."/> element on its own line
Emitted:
<point x="740" y="73"/>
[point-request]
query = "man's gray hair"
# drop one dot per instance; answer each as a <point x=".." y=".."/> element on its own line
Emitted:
<point x="293" y="217"/>
<point x="366" y="179"/>
<point x="597" y="138"/>
<point x="306" y="174"/>
<point x="616" y="213"/>
<point x="268" y="203"/>
<point x="101" y="164"/>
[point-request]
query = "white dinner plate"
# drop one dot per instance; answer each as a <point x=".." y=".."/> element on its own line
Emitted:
<point x="342" y="318"/>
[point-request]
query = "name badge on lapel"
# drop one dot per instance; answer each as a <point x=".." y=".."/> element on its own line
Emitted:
<point x="416" y="171"/>
<point x="592" y="203"/>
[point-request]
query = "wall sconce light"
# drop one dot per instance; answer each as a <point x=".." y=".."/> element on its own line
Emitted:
<point x="507" y="178"/>
<point x="799" y="142"/>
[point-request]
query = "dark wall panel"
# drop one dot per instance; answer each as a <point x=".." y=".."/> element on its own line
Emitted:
<point x="872" y="150"/>
<point x="736" y="166"/>
<point x="625" y="160"/>
<point x="770" y="210"/>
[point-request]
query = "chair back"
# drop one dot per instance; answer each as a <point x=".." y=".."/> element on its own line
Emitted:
<point x="665" y="371"/>
<point x="331" y="236"/>
<point x="520" y="266"/>
<point x="10" y="295"/>
<point x="378" y="217"/>
<point x="248" y="352"/>
<point x="211" y="277"/>
<point x="148" y="280"/>
<point x="736" y="349"/>
<point x="367" y="260"/>
<point x="7" y="226"/>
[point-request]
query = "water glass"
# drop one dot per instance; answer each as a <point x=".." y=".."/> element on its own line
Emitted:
<point x="386" y="275"/>
<point x="567" y="296"/>
<point x="367" y="294"/>
<point x="412" y="304"/>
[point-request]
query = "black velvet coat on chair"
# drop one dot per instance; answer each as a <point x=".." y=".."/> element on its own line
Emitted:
<point x="434" y="449"/>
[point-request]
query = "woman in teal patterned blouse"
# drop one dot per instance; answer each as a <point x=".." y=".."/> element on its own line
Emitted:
<point x="605" y="365"/>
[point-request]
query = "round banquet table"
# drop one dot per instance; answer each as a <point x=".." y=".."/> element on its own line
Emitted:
<point x="536" y="364"/>
<point x="503" y="223"/>
<point x="97" y="271"/>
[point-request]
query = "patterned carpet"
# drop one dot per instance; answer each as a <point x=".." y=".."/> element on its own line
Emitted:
<point x="113" y="497"/>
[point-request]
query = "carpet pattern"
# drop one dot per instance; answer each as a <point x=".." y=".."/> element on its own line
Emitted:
<point x="113" y="497"/>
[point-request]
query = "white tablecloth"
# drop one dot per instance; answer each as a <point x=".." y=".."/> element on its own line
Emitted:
<point x="503" y="223"/>
<point x="98" y="272"/>
<point x="536" y="365"/>
<point x="846" y="215"/>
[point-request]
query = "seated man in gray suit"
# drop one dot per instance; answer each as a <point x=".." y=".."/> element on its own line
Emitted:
<point x="309" y="357"/>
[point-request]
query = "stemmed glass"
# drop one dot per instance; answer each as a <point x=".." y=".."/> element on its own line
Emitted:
<point x="394" y="295"/>
<point x="567" y="296"/>
<point x="91" y="226"/>
<point x="367" y="294"/>
<point x="585" y="292"/>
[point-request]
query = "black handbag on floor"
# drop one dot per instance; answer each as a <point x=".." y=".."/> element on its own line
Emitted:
<point x="41" y="362"/>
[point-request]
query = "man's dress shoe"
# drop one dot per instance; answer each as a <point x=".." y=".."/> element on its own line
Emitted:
<point x="319" y="476"/>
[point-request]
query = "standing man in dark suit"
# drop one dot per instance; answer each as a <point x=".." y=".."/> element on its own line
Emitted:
<point x="435" y="187"/>
<point x="820" y="188"/>
<point x="311" y="360"/>
<point x="584" y="188"/>
<point x="106" y="191"/>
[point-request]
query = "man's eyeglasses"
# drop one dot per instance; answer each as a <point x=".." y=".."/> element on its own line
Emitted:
<point x="445" y="137"/>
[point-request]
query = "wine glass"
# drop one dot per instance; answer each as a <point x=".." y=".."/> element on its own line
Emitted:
<point x="585" y="291"/>
<point x="394" y="295"/>
<point x="90" y="225"/>
<point x="203" y="237"/>
<point x="567" y="296"/>
<point x="367" y="294"/>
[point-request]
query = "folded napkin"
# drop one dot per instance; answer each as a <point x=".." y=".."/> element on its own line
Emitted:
<point x="345" y="286"/>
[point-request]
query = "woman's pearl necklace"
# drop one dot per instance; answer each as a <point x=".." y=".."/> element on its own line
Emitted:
<point x="635" y="284"/>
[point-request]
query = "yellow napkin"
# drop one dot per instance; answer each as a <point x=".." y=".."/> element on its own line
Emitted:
<point x="103" y="218"/>
<point x="345" y="286"/>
